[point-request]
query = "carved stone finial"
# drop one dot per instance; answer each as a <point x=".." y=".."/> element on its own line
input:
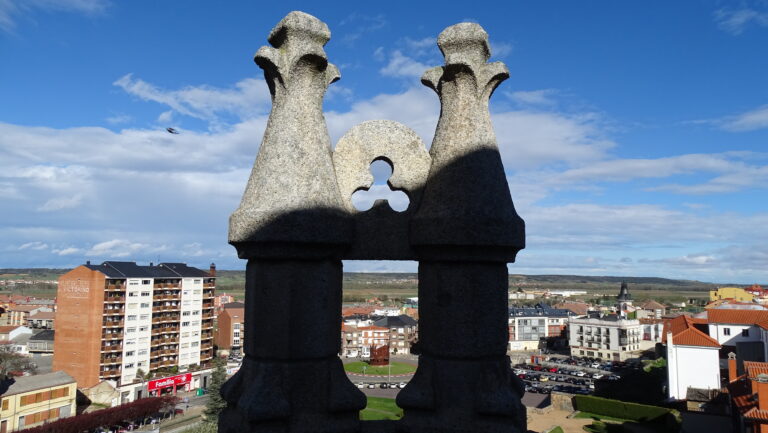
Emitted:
<point x="291" y="206"/>
<point x="466" y="204"/>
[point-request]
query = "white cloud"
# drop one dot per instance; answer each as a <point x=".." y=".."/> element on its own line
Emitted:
<point x="533" y="97"/>
<point x="11" y="10"/>
<point x="401" y="65"/>
<point x="249" y="97"/>
<point x="119" y="119"/>
<point x="735" y="21"/>
<point x="529" y="139"/>
<point x="748" y="121"/>
<point x="37" y="245"/>
<point x="499" y="50"/>
<point x="67" y="251"/>
<point x="61" y="203"/>
<point x="116" y="248"/>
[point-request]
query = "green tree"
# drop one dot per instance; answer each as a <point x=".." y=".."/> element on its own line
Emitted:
<point x="215" y="402"/>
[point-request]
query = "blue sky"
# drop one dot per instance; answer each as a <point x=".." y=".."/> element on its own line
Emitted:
<point x="633" y="134"/>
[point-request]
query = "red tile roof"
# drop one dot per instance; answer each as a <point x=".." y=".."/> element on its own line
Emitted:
<point x="735" y="316"/>
<point x="685" y="334"/>
<point x="754" y="368"/>
<point x="756" y="414"/>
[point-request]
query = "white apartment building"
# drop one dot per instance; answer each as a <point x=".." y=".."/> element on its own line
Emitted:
<point x="609" y="338"/>
<point x="118" y="318"/>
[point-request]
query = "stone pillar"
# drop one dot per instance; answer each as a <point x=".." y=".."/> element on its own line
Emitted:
<point x="465" y="231"/>
<point x="292" y="228"/>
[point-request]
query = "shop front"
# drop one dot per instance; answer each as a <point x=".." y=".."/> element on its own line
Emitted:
<point x="170" y="385"/>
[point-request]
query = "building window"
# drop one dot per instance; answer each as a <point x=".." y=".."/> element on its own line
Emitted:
<point x="145" y="305"/>
<point x="197" y="281"/>
<point x="144" y="293"/>
<point x="133" y="294"/>
<point x="131" y="317"/>
<point x="143" y="328"/>
<point x="144" y="317"/>
<point x="146" y="282"/>
<point x="128" y="330"/>
<point x="237" y="326"/>
<point x="745" y="332"/>
<point x="726" y="331"/>
<point x="185" y="313"/>
<point x="184" y="323"/>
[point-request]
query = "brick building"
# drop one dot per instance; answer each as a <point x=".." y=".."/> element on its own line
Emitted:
<point x="117" y="317"/>
<point x="231" y="329"/>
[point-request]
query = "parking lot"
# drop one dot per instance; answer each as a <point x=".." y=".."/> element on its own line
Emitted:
<point x="564" y="374"/>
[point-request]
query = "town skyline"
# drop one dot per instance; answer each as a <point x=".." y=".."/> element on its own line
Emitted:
<point x="633" y="140"/>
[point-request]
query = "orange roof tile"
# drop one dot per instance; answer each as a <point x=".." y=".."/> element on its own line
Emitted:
<point x="756" y="414"/>
<point x="754" y="368"/>
<point x="685" y="334"/>
<point x="736" y="316"/>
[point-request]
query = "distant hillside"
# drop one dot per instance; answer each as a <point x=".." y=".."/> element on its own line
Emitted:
<point x="407" y="282"/>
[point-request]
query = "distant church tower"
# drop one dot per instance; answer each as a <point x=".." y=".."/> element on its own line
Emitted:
<point x="624" y="300"/>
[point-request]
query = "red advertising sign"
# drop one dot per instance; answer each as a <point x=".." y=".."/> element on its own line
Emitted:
<point x="179" y="380"/>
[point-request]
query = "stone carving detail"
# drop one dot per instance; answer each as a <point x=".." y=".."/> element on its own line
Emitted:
<point x="380" y="232"/>
<point x="296" y="223"/>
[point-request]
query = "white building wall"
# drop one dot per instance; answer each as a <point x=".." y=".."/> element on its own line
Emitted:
<point x="191" y="310"/>
<point x="730" y="334"/>
<point x="138" y="327"/>
<point x="691" y="367"/>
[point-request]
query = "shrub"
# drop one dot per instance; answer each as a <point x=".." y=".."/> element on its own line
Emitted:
<point x="135" y="410"/>
<point x="624" y="410"/>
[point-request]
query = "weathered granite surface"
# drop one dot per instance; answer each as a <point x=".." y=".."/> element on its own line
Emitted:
<point x="466" y="206"/>
<point x="296" y="222"/>
<point x="381" y="233"/>
<point x="292" y="202"/>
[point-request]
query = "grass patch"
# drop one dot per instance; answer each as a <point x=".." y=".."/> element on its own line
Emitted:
<point x="589" y="415"/>
<point x="381" y="409"/>
<point x="397" y="368"/>
<point x="557" y="429"/>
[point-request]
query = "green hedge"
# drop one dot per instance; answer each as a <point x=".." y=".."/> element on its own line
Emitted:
<point x="623" y="410"/>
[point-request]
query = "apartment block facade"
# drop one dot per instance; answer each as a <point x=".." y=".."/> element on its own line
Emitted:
<point x="117" y="318"/>
<point x="609" y="338"/>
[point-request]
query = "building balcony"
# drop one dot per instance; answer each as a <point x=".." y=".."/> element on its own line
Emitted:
<point x="112" y="336"/>
<point x="207" y="316"/>
<point x="167" y="286"/>
<point x="111" y="359"/>
<point x="114" y="311"/>
<point x="163" y="341"/>
<point x="209" y="285"/>
<point x="112" y="323"/>
<point x="161" y="308"/>
<point x="112" y="372"/>
<point x="112" y="348"/>
<point x="165" y="319"/>
<point x="206" y="346"/>
<point x="115" y="287"/>
<point x="114" y="299"/>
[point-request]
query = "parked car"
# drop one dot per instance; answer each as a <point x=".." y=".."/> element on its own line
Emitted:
<point x="360" y="385"/>
<point x="371" y="385"/>
<point x="401" y="385"/>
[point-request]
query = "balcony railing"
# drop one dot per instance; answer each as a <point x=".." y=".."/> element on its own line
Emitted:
<point x="112" y="323"/>
<point x="111" y="359"/>
<point x="165" y="330"/>
<point x="163" y="341"/>
<point x="114" y="299"/>
<point x="110" y="372"/>
<point x="115" y="287"/>
<point x="111" y="335"/>
<point x="112" y="348"/>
